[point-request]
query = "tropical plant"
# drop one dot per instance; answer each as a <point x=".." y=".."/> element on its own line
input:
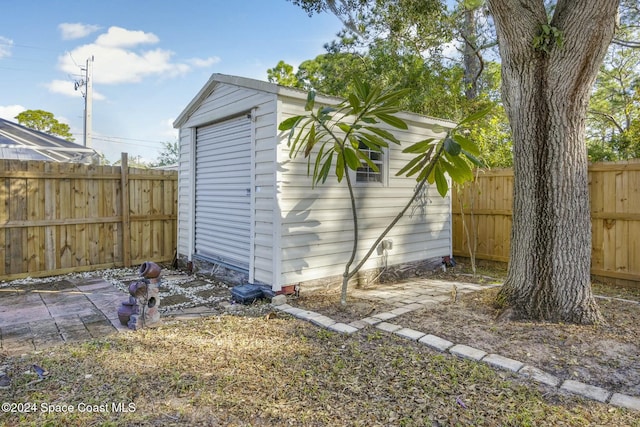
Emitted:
<point x="332" y="139"/>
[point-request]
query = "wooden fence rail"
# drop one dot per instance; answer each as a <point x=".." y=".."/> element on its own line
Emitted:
<point x="614" y="190"/>
<point x="64" y="217"/>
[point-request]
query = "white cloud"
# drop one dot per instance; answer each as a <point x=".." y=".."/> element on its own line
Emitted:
<point x="66" y="87"/>
<point x="203" y="63"/>
<point x="9" y="112"/>
<point x="76" y="31"/>
<point x="120" y="37"/>
<point x="167" y="131"/>
<point x="5" y="47"/>
<point x="118" y="59"/>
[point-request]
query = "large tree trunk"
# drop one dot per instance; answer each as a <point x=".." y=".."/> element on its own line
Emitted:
<point x="546" y="95"/>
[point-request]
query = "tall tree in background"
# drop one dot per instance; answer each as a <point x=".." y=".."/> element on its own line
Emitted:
<point x="169" y="155"/>
<point x="44" y="121"/>
<point x="614" y="110"/>
<point x="283" y="75"/>
<point x="413" y="44"/>
<point x="550" y="60"/>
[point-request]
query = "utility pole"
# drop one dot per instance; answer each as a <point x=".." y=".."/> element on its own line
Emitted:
<point x="88" y="99"/>
<point x="88" y="103"/>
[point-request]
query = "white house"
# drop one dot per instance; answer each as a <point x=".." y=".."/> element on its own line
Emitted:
<point x="243" y="204"/>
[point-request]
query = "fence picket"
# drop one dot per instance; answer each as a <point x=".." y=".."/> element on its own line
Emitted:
<point x="58" y="217"/>
<point x="614" y="190"/>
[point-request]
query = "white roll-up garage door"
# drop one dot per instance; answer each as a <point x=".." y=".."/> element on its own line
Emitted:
<point x="223" y="191"/>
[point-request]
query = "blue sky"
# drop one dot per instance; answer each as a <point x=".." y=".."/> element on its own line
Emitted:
<point x="150" y="59"/>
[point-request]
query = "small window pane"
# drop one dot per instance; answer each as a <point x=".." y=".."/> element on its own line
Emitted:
<point x="365" y="173"/>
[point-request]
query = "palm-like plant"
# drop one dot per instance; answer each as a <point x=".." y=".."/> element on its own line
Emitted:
<point x="341" y="133"/>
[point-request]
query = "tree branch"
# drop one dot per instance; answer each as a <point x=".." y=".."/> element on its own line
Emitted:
<point x="609" y="117"/>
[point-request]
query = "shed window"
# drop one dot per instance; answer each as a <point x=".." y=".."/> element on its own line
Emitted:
<point x="365" y="173"/>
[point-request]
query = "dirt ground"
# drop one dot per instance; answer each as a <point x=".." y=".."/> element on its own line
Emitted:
<point x="607" y="356"/>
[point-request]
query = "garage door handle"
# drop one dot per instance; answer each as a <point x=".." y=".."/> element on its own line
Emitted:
<point x="248" y="192"/>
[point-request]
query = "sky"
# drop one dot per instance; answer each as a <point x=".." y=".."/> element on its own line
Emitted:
<point x="150" y="59"/>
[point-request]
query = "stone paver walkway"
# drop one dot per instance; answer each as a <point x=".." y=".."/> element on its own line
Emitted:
<point x="65" y="311"/>
<point x="69" y="311"/>
<point x="414" y="295"/>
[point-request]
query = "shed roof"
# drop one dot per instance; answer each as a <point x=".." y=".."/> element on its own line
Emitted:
<point x="260" y="85"/>
<point x="22" y="143"/>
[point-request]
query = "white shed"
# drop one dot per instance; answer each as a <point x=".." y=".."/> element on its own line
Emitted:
<point x="243" y="204"/>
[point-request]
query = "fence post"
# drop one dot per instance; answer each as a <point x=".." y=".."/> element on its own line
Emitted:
<point x="126" y="226"/>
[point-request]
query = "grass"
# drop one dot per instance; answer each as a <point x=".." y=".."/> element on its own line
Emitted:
<point x="253" y="371"/>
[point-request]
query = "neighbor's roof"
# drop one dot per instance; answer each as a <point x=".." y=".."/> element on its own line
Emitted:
<point x="21" y="143"/>
<point x="248" y="83"/>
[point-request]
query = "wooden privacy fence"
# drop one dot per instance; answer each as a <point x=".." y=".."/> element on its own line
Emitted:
<point x="65" y="217"/>
<point x="615" y="218"/>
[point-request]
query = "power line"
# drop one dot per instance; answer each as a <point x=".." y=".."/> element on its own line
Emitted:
<point x="130" y="139"/>
<point x="27" y="46"/>
<point x="155" y="144"/>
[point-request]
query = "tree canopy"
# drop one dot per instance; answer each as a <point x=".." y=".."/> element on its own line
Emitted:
<point x="169" y="155"/>
<point x="44" y="121"/>
<point x="449" y="60"/>
<point x="550" y="53"/>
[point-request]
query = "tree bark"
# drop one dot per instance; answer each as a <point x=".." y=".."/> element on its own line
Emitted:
<point x="470" y="55"/>
<point x="545" y="94"/>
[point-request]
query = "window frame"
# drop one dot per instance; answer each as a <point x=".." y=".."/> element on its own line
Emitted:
<point x="383" y="166"/>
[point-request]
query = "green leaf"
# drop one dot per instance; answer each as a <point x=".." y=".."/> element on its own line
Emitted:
<point x="324" y="114"/>
<point x="374" y="139"/>
<point x="366" y="159"/>
<point x="311" y="99"/>
<point x="296" y="143"/>
<point x="451" y="170"/>
<point x="311" y="140"/>
<point x="372" y="96"/>
<point x="452" y="147"/>
<point x="476" y="116"/>
<point x="392" y="120"/>
<point x="460" y="170"/>
<point x="351" y="159"/>
<point x="344" y="127"/>
<point x="413" y="162"/>
<point x="355" y="143"/>
<point x="354" y="102"/>
<point x="441" y="181"/>
<point x="382" y="133"/>
<point x="466" y="144"/>
<point x="290" y="123"/>
<point x="392" y="98"/>
<point x="326" y="167"/>
<point x="419" y="147"/>
<point x="436" y="128"/>
<point x="316" y="165"/>
<point x="340" y="166"/>
<point x="362" y="89"/>
<point x="473" y="159"/>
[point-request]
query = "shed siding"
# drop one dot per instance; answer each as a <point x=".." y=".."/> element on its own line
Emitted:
<point x="316" y="223"/>
<point x="299" y="233"/>
<point x="223" y="102"/>
<point x="185" y="182"/>
<point x="264" y="191"/>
